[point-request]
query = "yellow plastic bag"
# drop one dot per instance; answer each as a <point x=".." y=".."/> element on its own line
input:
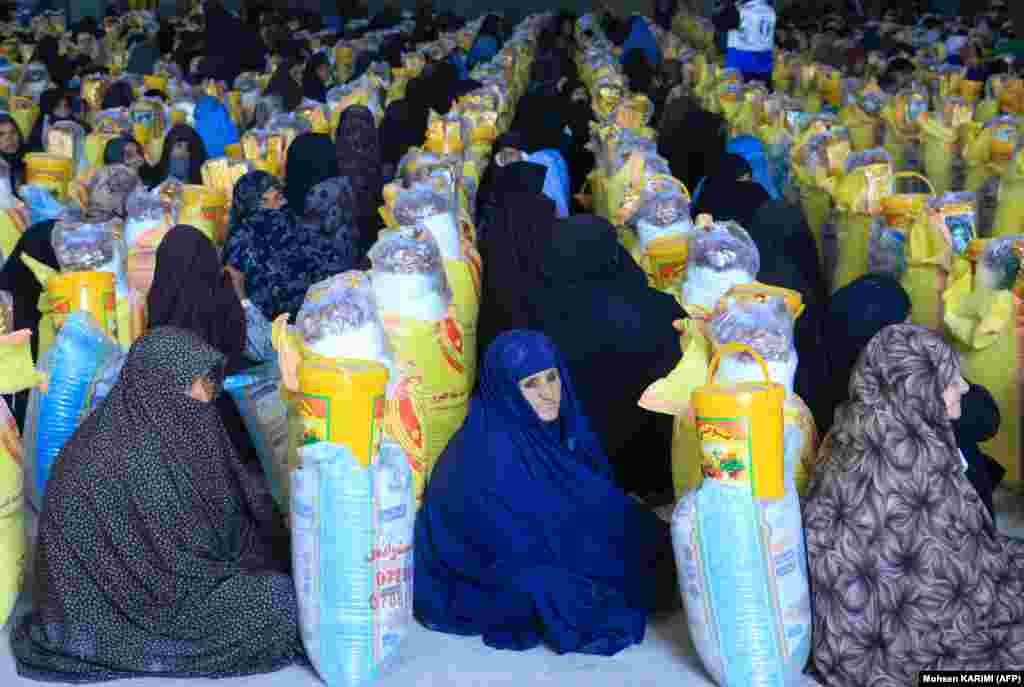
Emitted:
<point x="464" y="278"/>
<point x="986" y="321"/>
<point x="930" y="263"/>
<point x="13" y="223"/>
<point x="1009" y="217"/>
<point x="902" y="115"/>
<point x="941" y="132"/>
<point x="671" y="396"/>
<point x="52" y="172"/>
<point x="17" y="371"/>
<point x="205" y="209"/>
<point x="858" y="200"/>
<point x="24" y="112"/>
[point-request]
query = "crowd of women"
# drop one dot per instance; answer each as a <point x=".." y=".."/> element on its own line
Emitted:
<point x="160" y="551"/>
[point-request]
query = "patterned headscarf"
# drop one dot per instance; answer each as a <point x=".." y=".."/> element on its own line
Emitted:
<point x="110" y="189"/>
<point x="248" y="196"/>
<point x="359" y="159"/>
<point x="908" y="570"/>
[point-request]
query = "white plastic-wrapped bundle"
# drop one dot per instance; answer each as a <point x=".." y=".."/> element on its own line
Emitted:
<point x="422" y="206"/>
<point x="257" y="393"/>
<point x="81" y="246"/>
<point x="72" y="363"/>
<point x="743" y="575"/>
<point x="408" y="277"/>
<point x="720" y="257"/>
<point x="352" y="544"/>
<point x="660" y="216"/>
<point x="339" y="319"/>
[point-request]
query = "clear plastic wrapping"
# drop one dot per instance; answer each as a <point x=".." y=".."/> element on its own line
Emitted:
<point x="662" y="215"/>
<point x="82" y="247"/>
<point x="887" y="249"/>
<point x="875" y="156"/>
<point x="956" y="214"/>
<point x="339" y="319"/>
<point x="426" y="208"/>
<point x="1001" y="262"/>
<point x="66" y="139"/>
<point x="110" y="187"/>
<point x="725" y="246"/>
<point x="6" y="313"/>
<point x="146" y="211"/>
<point x="764" y="325"/>
<point x="408" y="276"/>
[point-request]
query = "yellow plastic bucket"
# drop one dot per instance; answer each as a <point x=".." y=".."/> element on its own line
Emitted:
<point x="900" y="209"/>
<point x="740" y="429"/>
<point x="52" y="172"/>
<point x="666" y="259"/>
<point x="204" y="208"/>
<point x="340" y="401"/>
<point x="92" y="292"/>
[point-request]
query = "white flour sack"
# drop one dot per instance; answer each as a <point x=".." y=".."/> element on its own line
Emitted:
<point x="352" y="530"/>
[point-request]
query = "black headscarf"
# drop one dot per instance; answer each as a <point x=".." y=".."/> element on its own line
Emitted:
<point x="16" y="160"/>
<point x="233" y="41"/>
<point x="199" y="544"/>
<point x="313" y="87"/>
<point x="197" y="150"/>
<point x="191" y="291"/>
<point x="639" y="71"/>
<point x="540" y="122"/>
<point x="856" y="313"/>
<point x="513" y="240"/>
<point x="789" y="259"/>
<point x="499" y="182"/>
<point x="284" y="86"/>
<point x="119" y="94"/>
<point x="18" y="280"/>
<point x="403" y="127"/>
<point x="312" y="158"/>
<point x="695" y="148"/>
<point x="725" y="197"/>
<point x="48" y="52"/>
<point x="617" y="336"/>
<point x="359" y="160"/>
<point x="48" y="102"/>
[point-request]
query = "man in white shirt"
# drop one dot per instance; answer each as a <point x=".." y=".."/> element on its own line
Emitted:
<point x="750" y="42"/>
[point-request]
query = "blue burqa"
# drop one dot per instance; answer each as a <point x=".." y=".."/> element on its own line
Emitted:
<point x="523" y="538"/>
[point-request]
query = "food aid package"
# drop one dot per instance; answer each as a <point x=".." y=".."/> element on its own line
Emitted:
<point x="742" y="562"/>
<point x="82" y="246"/>
<point x="425" y="208"/>
<point x="984" y="317"/>
<point x="257" y="393"/>
<point x="662" y="228"/>
<point x="148" y="221"/>
<point x="1009" y="218"/>
<point x="432" y="385"/>
<point x="78" y="353"/>
<point x="858" y="200"/>
<point x="902" y="115"/>
<point x="887" y="250"/>
<point x="936" y="247"/>
<point x="352" y="558"/>
<point x="339" y="319"/>
<point x="988" y="152"/>
<point x="816" y="162"/>
<point x="942" y="143"/>
<point x="763" y="318"/>
<point x="720" y="257"/>
<point x="12" y="514"/>
<point x="67" y="139"/>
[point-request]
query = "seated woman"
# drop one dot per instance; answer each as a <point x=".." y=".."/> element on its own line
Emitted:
<point x="315" y="78"/>
<point x="279" y="258"/>
<point x="523" y="536"/>
<point x="908" y="570"/>
<point x="182" y="158"/>
<point x="156" y="555"/>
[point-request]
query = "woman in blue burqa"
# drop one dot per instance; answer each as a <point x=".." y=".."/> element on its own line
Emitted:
<point x="523" y="537"/>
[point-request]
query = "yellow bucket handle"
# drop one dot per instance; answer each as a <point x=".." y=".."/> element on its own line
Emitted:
<point x="733" y="347"/>
<point x="915" y="175"/>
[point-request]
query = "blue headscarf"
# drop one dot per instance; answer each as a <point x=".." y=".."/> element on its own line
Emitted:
<point x="642" y="38"/>
<point x="752" y="150"/>
<point x="523" y="537"/>
<point x="214" y="126"/>
<point x="556" y="181"/>
<point x="484" y="50"/>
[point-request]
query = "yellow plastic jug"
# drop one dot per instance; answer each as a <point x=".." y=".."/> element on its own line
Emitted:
<point x="89" y="291"/>
<point x="52" y="172"/>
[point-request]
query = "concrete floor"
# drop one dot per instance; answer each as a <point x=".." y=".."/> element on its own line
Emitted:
<point x="430" y="659"/>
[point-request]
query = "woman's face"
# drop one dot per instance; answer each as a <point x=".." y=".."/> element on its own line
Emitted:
<point x="133" y="156"/>
<point x="273" y="199"/>
<point x="62" y="110"/>
<point x="180" y="151"/>
<point x="202" y="390"/>
<point x="952" y="397"/>
<point x="543" y="391"/>
<point x="10" y="138"/>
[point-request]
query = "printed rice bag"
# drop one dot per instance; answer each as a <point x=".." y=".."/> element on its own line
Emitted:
<point x="942" y="132"/>
<point x="432" y="385"/>
<point x="858" y="200"/>
<point x="1009" y="218"/>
